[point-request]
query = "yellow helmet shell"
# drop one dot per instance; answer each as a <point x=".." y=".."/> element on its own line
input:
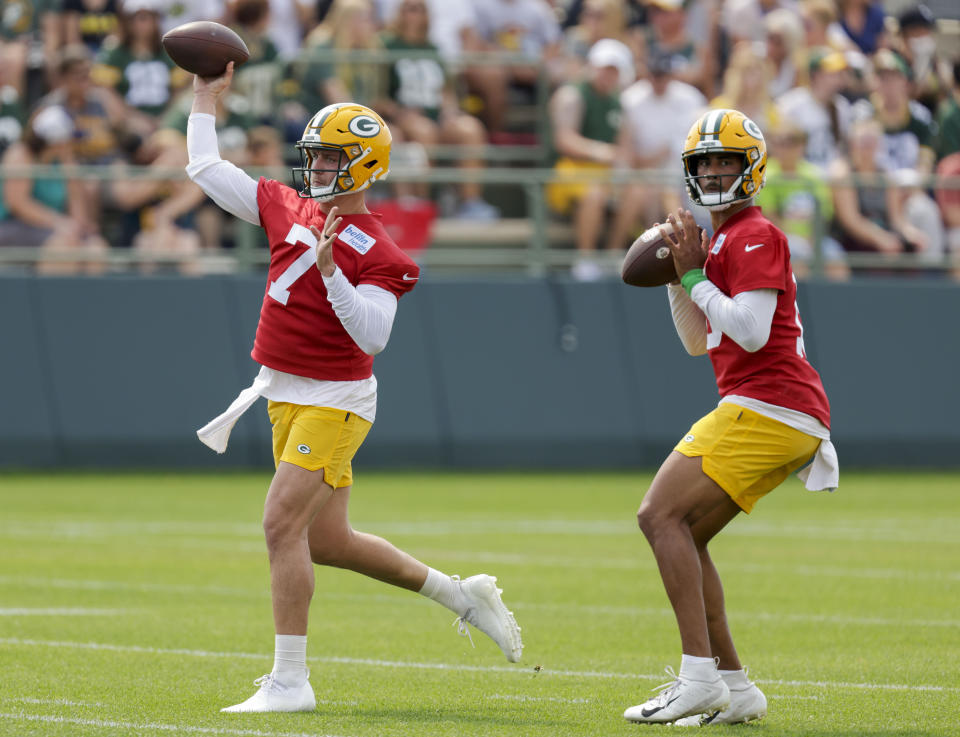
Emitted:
<point x="726" y="131"/>
<point x="360" y="135"/>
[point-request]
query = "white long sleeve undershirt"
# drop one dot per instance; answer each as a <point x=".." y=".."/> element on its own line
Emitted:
<point x="366" y="312"/>
<point x="746" y="318"/>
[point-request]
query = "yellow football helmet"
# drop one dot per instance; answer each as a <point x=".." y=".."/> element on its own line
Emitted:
<point x="346" y="139"/>
<point x="725" y="131"/>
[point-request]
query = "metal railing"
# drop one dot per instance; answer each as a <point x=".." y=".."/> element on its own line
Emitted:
<point x="536" y="243"/>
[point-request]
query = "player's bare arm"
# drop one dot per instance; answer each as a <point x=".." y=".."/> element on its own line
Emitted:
<point x="207" y="90"/>
<point x="325" y="240"/>
<point x="688" y="243"/>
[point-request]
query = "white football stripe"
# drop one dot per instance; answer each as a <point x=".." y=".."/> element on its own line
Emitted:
<point x="517" y="670"/>
<point x="61" y="612"/>
<point x="886" y="530"/>
<point x="400" y="598"/>
<point x="523" y="697"/>
<point x="151" y="726"/>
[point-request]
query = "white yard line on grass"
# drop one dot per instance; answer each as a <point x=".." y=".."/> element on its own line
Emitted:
<point x="518" y="670"/>
<point x="792" y="697"/>
<point x="631" y="611"/>
<point x="60" y="612"/>
<point x="151" y="726"/>
<point x="523" y="697"/>
<point x="402" y="598"/>
<point x="887" y="530"/>
<point x="59" y="702"/>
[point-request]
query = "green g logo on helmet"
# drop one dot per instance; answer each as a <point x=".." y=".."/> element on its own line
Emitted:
<point x="345" y="148"/>
<point x="364" y="126"/>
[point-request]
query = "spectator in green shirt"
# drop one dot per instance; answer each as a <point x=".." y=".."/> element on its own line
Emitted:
<point x="798" y="201"/>
<point x="421" y="106"/>
<point x="948" y="119"/>
<point x="134" y="64"/>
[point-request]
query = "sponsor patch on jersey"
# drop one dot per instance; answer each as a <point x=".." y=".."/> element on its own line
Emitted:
<point x="716" y="246"/>
<point x="356" y="239"/>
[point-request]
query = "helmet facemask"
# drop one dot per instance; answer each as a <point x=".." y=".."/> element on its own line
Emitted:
<point x="344" y="149"/>
<point x="732" y="133"/>
<point x="313" y="162"/>
<point x="739" y="190"/>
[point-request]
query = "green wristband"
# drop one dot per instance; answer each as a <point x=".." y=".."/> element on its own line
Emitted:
<point x="692" y="278"/>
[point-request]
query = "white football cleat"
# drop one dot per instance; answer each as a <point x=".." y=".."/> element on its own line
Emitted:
<point x="487" y="612"/>
<point x="275" y="696"/>
<point x="747" y="703"/>
<point x="679" y="698"/>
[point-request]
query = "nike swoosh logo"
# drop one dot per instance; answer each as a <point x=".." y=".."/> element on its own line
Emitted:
<point x="750" y="248"/>
<point x="407" y="277"/>
<point x="650" y="712"/>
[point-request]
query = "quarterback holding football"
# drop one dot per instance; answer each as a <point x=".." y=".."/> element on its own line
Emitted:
<point x="735" y="300"/>
<point x="334" y="280"/>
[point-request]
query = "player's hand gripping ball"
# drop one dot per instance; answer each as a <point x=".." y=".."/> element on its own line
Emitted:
<point x="648" y="262"/>
<point x="204" y="47"/>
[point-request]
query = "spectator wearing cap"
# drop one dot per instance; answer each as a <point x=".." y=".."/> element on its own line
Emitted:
<point x="908" y="128"/>
<point x="819" y="110"/>
<point x="50" y="212"/>
<point x="658" y="112"/>
<point x="863" y="21"/>
<point x="918" y="46"/>
<point x="585" y="119"/>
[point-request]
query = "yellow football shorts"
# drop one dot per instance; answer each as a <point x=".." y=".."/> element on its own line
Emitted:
<point x="564" y="193"/>
<point x="746" y="453"/>
<point x="317" y="437"/>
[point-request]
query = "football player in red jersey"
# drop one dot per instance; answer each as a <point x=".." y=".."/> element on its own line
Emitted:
<point x="331" y="297"/>
<point x="735" y="301"/>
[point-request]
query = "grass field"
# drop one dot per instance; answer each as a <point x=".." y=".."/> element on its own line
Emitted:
<point x="139" y="605"/>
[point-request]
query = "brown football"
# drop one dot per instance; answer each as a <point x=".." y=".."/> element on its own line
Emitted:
<point x="648" y="262"/>
<point x="204" y="47"/>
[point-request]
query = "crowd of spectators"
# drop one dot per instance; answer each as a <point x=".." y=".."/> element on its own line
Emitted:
<point x="859" y="103"/>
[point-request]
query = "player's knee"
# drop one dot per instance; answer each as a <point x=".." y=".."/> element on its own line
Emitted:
<point x="648" y="520"/>
<point x="278" y="528"/>
<point x="330" y="549"/>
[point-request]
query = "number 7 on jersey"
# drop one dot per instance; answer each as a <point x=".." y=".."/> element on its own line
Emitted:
<point x="280" y="289"/>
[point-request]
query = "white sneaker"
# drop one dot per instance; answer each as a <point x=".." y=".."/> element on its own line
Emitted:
<point x="487" y="613"/>
<point x="747" y="703"/>
<point x="274" y="696"/>
<point x="679" y="698"/>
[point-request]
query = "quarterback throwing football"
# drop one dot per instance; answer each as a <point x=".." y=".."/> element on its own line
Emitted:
<point x="331" y="297"/>
<point x="736" y="301"/>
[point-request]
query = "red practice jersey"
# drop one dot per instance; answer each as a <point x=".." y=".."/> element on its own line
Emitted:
<point x="298" y="332"/>
<point x="749" y="252"/>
